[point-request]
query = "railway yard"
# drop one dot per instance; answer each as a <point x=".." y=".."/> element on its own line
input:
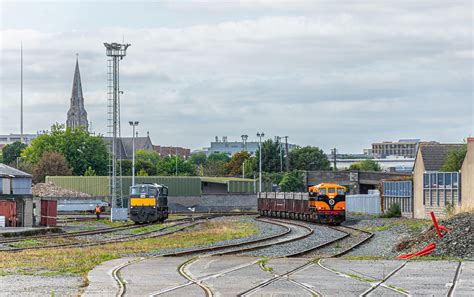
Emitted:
<point x="228" y="255"/>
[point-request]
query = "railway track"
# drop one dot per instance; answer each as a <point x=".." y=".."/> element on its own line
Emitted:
<point x="188" y="221"/>
<point x="353" y="238"/>
<point x="144" y="235"/>
<point x="253" y="245"/>
<point x="74" y="234"/>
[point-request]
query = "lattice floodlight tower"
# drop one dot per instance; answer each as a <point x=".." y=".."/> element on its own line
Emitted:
<point x="116" y="52"/>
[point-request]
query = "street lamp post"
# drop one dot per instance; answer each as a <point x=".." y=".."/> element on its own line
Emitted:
<point x="260" y="135"/>
<point x="133" y="124"/>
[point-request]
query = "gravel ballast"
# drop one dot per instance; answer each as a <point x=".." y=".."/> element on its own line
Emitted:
<point x="264" y="230"/>
<point x="321" y="235"/>
<point x="387" y="234"/>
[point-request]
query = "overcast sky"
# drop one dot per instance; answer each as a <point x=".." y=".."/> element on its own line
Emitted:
<point x="327" y="73"/>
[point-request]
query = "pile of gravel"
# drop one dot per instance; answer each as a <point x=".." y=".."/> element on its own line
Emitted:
<point x="51" y="190"/>
<point x="459" y="242"/>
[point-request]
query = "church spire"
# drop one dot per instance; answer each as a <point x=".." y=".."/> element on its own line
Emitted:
<point x="77" y="115"/>
<point x="77" y="85"/>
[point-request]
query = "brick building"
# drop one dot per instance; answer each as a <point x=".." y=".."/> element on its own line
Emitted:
<point x="172" y="150"/>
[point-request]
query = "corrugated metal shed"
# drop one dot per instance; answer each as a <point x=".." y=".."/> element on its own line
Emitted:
<point x="14" y="181"/>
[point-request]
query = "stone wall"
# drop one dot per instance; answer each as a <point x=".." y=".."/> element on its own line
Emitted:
<point x="206" y="203"/>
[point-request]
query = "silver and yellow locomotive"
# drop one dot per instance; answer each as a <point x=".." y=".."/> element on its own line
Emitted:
<point x="148" y="203"/>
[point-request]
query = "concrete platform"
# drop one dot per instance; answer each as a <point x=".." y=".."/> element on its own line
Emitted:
<point x="21" y="231"/>
<point x="232" y="275"/>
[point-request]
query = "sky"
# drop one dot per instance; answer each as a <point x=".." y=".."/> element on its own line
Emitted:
<point x="329" y="73"/>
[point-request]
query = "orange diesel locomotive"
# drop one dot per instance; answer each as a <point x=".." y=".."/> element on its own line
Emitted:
<point x="324" y="203"/>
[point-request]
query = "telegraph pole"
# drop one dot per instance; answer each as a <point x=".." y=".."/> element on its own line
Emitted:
<point x="260" y="135"/>
<point x="334" y="155"/>
<point x="287" y="160"/>
<point x="21" y="93"/>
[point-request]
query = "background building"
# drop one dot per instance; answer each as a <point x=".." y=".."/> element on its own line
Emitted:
<point x="172" y="150"/>
<point x="124" y="146"/>
<point x="12" y="137"/>
<point x="404" y="148"/>
<point x="231" y="147"/>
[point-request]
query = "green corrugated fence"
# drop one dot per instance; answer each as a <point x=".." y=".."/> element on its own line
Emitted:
<point x="92" y="185"/>
<point x="99" y="185"/>
<point x="178" y="185"/>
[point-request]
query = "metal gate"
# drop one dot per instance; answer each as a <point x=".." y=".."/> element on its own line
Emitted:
<point x="398" y="192"/>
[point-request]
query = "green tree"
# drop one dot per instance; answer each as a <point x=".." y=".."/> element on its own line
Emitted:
<point x="12" y="151"/>
<point x="90" y="172"/>
<point x="80" y="149"/>
<point x="147" y="161"/>
<point x="50" y="164"/>
<point x="234" y="166"/>
<point x="142" y="172"/>
<point x="126" y="167"/>
<point x="168" y="165"/>
<point x="249" y="167"/>
<point x="309" y="158"/>
<point x="198" y="158"/>
<point x="218" y="157"/>
<point x="366" y="165"/>
<point x="454" y="159"/>
<point x="292" y="182"/>
<point x="270" y="157"/>
<point x="214" y="168"/>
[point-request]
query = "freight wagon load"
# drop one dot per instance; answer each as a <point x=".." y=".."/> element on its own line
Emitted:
<point x="324" y="203"/>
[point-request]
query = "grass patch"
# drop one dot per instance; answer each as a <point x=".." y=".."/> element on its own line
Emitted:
<point x="364" y="258"/>
<point x="398" y="289"/>
<point x="79" y="261"/>
<point x="437" y="258"/>
<point x="145" y="229"/>
<point x="26" y="243"/>
<point x="414" y="226"/>
<point x="360" y="278"/>
<point x="262" y="263"/>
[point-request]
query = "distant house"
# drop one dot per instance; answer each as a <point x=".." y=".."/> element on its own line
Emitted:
<point x="172" y="150"/>
<point x="434" y="190"/>
<point x="124" y="146"/>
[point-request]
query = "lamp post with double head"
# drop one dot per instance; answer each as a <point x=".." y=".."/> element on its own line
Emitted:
<point x="260" y="135"/>
<point x="133" y="124"/>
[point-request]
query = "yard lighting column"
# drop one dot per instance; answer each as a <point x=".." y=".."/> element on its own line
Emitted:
<point x="260" y="135"/>
<point x="133" y="124"/>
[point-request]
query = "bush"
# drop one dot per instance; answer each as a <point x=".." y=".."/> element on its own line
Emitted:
<point x="50" y="164"/>
<point x="449" y="209"/>
<point x="393" y="211"/>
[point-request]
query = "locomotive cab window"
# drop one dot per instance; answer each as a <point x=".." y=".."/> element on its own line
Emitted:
<point x="340" y="191"/>
<point x="322" y="191"/>
<point x="331" y="190"/>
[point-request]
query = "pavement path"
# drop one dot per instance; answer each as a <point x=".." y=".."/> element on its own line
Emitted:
<point x="234" y="275"/>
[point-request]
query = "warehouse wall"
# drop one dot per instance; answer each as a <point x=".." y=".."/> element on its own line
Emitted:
<point x="467" y="178"/>
<point x="206" y="203"/>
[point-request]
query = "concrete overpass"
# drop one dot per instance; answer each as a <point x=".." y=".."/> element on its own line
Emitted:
<point x="359" y="182"/>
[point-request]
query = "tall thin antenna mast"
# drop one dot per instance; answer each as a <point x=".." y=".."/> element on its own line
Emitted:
<point x="115" y="52"/>
<point x="21" y="93"/>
